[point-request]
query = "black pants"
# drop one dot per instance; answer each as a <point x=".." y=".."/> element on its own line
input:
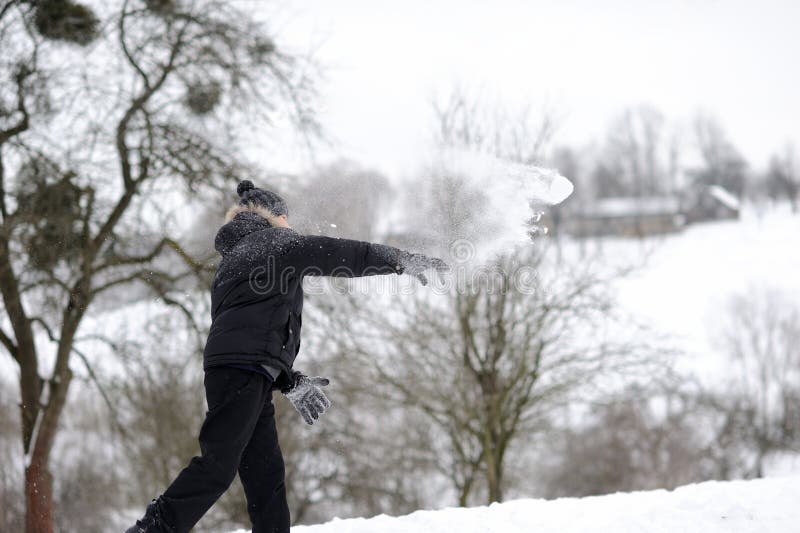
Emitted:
<point x="238" y="434"/>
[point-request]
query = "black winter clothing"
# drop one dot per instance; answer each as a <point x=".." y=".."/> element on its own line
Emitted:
<point x="250" y="194"/>
<point x="257" y="294"/>
<point x="256" y="311"/>
<point x="238" y="435"/>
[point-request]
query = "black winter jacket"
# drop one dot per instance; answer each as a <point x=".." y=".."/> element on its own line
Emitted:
<point x="257" y="293"/>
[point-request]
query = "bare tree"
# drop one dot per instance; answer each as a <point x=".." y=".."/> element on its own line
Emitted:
<point x="468" y="120"/>
<point x="94" y="146"/>
<point x="635" y="161"/>
<point x="156" y="407"/>
<point x="641" y="438"/>
<point x="722" y="163"/>
<point x="783" y="177"/>
<point x="489" y="364"/>
<point x="88" y="476"/>
<point x="761" y="335"/>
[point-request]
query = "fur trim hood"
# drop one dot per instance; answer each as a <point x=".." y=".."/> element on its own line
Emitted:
<point x="265" y="213"/>
<point x="242" y="220"/>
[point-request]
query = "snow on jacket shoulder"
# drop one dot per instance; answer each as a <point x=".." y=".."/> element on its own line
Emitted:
<point x="257" y="295"/>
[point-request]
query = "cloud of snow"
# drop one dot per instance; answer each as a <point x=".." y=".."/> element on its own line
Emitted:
<point x="514" y="197"/>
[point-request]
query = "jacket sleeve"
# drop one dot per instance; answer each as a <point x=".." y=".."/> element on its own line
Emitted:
<point x="318" y="255"/>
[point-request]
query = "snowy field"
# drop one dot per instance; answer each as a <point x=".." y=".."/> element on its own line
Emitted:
<point x="757" y="506"/>
<point x="683" y="288"/>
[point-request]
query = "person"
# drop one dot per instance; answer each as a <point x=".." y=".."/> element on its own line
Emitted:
<point x="256" y="318"/>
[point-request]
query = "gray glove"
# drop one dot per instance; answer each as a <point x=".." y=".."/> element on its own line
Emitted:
<point x="306" y="396"/>
<point x="416" y="264"/>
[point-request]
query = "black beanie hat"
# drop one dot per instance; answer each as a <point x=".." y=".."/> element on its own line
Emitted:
<point x="250" y="194"/>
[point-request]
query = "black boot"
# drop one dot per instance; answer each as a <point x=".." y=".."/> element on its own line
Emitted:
<point x="153" y="520"/>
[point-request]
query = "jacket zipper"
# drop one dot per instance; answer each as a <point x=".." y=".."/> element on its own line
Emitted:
<point x="288" y="329"/>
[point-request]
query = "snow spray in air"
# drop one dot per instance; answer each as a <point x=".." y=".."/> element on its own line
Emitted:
<point x="492" y="205"/>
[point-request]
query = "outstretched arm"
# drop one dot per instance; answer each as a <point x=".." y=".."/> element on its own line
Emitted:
<point x="333" y="256"/>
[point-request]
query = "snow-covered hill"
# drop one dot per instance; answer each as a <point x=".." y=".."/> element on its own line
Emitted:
<point x="761" y="505"/>
<point x="684" y="287"/>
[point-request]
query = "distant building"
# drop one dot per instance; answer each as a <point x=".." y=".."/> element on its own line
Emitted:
<point x="640" y="217"/>
<point x="628" y="217"/>
<point x="710" y="202"/>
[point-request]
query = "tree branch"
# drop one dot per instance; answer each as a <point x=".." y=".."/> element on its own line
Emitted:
<point x="124" y="46"/>
<point x="30" y="384"/>
<point x="19" y="77"/>
<point x="93" y="377"/>
<point x="197" y="266"/>
<point x="123" y="152"/>
<point x="3" y="210"/>
<point x="47" y="329"/>
<point x="9" y="344"/>
<point x="6" y="6"/>
<point x="13" y="131"/>
<point x="149" y="278"/>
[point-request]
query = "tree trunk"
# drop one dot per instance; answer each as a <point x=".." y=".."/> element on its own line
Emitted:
<point x="38" y="497"/>
<point x="465" y="491"/>
<point x="494" y="481"/>
<point x="493" y="471"/>
<point x="38" y="480"/>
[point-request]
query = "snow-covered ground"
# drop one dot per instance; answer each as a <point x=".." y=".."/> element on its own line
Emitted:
<point x="685" y="284"/>
<point x="761" y="505"/>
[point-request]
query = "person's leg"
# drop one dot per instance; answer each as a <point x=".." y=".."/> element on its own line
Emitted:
<point x="263" y="475"/>
<point x="234" y="398"/>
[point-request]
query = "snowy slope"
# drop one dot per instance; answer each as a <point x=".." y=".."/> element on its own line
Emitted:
<point x="762" y="505"/>
<point x="684" y="287"/>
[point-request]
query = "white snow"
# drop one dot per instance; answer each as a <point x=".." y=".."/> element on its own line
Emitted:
<point x="685" y="285"/>
<point x="507" y="192"/>
<point x="529" y="182"/>
<point x="761" y="505"/>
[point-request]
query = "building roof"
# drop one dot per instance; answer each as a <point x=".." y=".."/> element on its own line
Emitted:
<point x="724" y="197"/>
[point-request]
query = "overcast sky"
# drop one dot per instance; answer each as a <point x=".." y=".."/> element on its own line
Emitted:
<point x="589" y="59"/>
